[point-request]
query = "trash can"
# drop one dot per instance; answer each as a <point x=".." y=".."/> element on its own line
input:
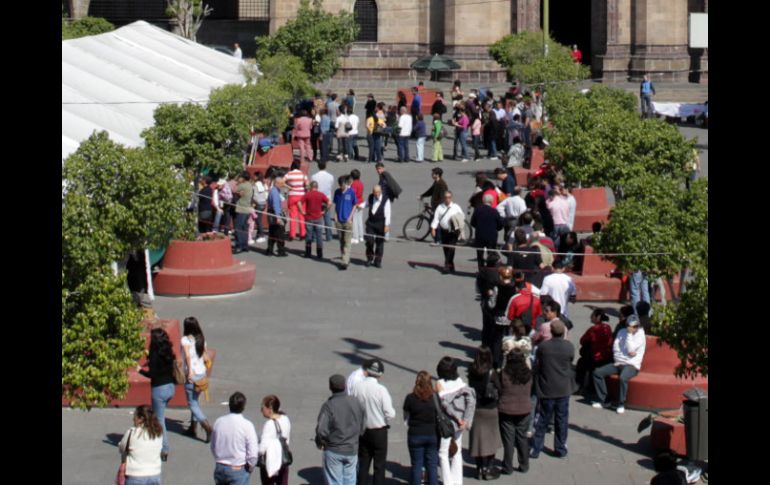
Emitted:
<point x="696" y="424"/>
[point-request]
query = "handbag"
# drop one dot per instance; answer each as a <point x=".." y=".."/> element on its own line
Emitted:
<point x="286" y="457"/>
<point x="490" y="390"/>
<point x="179" y="377"/>
<point x="120" y="478"/>
<point x="443" y="424"/>
<point x="201" y="385"/>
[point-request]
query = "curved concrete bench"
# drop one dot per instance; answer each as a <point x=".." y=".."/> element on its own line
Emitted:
<point x="598" y="280"/>
<point x="656" y="388"/>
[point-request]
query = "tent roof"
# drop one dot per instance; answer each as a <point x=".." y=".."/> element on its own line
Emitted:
<point x="114" y="81"/>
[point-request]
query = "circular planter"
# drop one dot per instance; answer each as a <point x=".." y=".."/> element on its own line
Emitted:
<point x="196" y="268"/>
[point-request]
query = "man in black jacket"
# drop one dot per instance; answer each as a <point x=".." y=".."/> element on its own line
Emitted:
<point x="377" y="226"/>
<point x="554" y="384"/>
<point x="486" y="223"/>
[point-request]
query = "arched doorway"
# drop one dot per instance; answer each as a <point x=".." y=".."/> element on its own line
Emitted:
<point x="570" y="23"/>
<point x="365" y="13"/>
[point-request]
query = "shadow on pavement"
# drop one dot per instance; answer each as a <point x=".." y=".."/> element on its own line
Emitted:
<point x="471" y="333"/>
<point x="612" y="312"/>
<point x="470" y="351"/>
<point x="112" y="439"/>
<point x="312" y="475"/>
<point x="360" y="354"/>
<point x="399" y="472"/>
<point x="641" y="447"/>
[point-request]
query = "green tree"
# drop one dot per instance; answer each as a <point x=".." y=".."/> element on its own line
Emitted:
<point x="522" y="55"/>
<point x="188" y="15"/>
<point x="83" y="27"/>
<point x="315" y="36"/>
<point x="288" y="73"/>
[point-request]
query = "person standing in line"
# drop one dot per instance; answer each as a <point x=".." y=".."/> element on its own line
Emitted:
<point x="373" y="445"/>
<point x="560" y="287"/>
<point x="160" y="370"/>
<point x="485" y="432"/>
<point x="353" y="136"/>
<point x="461" y="123"/>
<point x="272" y="470"/>
<point x="205" y="205"/>
<point x="377" y="226"/>
<point x="371" y="105"/>
<point x="422" y="440"/>
<point x="486" y="223"/>
<point x="193" y="352"/>
<point x="358" y="217"/>
<point x="260" y="201"/>
<point x="297" y="182"/>
<point x="340" y="424"/>
<point x="315" y="132"/>
<point x="344" y="207"/>
<point x="514" y="410"/>
<point x="325" y="186"/>
<point x="357" y="376"/>
<point x="421" y="134"/>
<point x="476" y="137"/>
<point x="303" y="127"/>
<point x="343" y="127"/>
<point x="380" y="132"/>
<point x="371" y="126"/>
<point x="404" y="132"/>
<point x="245" y="191"/>
<point x="450" y="218"/>
<point x="498" y="325"/>
<point x="416" y="106"/>
<point x="559" y="208"/>
<point x="275" y="218"/>
<point x="436" y="135"/>
<point x="234" y="444"/>
<point x="510" y="210"/>
<point x="439" y="107"/>
<point x="458" y="401"/>
<point x="646" y="91"/>
<point x="327" y="135"/>
<point x="141" y="445"/>
<point x="313" y="207"/>
<point x="390" y="187"/>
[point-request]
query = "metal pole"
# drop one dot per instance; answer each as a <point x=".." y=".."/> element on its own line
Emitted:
<point x="546" y="29"/>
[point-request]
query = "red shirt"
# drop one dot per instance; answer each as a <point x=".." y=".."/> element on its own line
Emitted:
<point x="520" y="302"/>
<point x="577" y="56"/>
<point x="493" y="193"/>
<point x="548" y="242"/>
<point x="313" y="202"/>
<point x="358" y="188"/>
<point x="599" y="338"/>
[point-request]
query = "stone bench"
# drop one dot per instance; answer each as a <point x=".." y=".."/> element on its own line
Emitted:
<point x="598" y="281"/>
<point x="591" y="206"/>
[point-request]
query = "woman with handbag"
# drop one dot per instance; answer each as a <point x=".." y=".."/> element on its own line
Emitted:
<point x="161" y="373"/>
<point x="275" y="456"/>
<point x="420" y="416"/>
<point x="194" y="352"/>
<point x="140" y="450"/>
<point x="485" y="432"/>
<point x="458" y="401"/>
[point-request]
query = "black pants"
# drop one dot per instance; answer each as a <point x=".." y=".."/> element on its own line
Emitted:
<point x="205" y="220"/>
<point x="276" y="236"/>
<point x="375" y="246"/>
<point x="497" y="332"/>
<point x="513" y="431"/>
<point x="449" y="237"/>
<point x="314" y="137"/>
<point x="373" y="445"/>
<point x="480" y="251"/>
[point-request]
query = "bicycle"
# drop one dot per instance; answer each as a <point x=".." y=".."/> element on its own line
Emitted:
<point x="417" y="228"/>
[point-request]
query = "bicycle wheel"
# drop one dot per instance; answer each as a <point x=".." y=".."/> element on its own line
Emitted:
<point x="416" y="228"/>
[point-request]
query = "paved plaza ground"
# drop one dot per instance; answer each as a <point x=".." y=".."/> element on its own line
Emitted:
<point x="304" y="320"/>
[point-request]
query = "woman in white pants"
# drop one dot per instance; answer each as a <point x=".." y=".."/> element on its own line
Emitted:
<point x="459" y="403"/>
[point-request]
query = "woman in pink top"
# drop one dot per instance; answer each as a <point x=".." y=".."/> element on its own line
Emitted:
<point x="476" y="134"/>
<point x="303" y="126"/>
<point x="461" y="123"/>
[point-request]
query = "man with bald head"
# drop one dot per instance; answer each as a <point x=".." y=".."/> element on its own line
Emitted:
<point x="377" y="225"/>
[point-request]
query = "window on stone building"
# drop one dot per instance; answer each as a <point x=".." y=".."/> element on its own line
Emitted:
<point x="120" y="11"/>
<point x="365" y="12"/>
<point x="254" y="9"/>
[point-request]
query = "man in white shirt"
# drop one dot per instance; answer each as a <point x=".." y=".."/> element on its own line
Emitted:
<point x="628" y="353"/>
<point x="237" y="53"/>
<point x="325" y="186"/>
<point x="353" y="136"/>
<point x="373" y="445"/>
<point x="377" y="225"/>
<point x="572" y="204"/>
<point x="357" y="376"/>
<point x="405" y="131"/>
<point x="510" y="209"/>
<point x="234" y="444"/>
<point x="343" y="134"/>
<point x="445" y="213"/>
<point x="560" y="286"/>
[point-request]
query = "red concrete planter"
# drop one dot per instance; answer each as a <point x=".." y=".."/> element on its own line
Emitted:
<point x="598" y="281"/>
<point x="427" y="96"/>
<point x="195" y="268"/>
<point x="279" y="156"/>
<point x="523" y="175"/>
<point x="655" y="387"/>
<point x="592" y="206"/>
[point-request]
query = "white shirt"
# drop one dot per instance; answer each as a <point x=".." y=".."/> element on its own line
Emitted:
<point x="405" y="123"/>
<point x="325" y="182"/>
<point x="340" y="126"/>
<point x="238" y="54"/>
<point x="234" y="440"/>
<point x="512" y="207"/>
<point x="443" y="215"/>
<point x="572" y="204"/>
<point x="260" y="193"/>
<point x="143" y="458"/>
<point x="560" y="287"/>
<point x="196" y="362"/>
<point x="353" y="118"/>
<point x="626" y="343"/>
<point x="377" y="402"/>
<point x="270" y="446"/>
<point x="499" y="113"/>
<point x="376" y="207"/>
<point x="353" y="379"/>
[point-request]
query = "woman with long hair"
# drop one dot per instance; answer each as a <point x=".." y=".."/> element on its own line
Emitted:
<point x="194" y="349"/>
<point x="420" y="416"/>
<point x="485" y="432"/>
<point x="514" y="410"/>
<point x="161" y="373"/>
<point x="595" y="349"/>
<point x="272" y="471"/>
<point x="141" y="446"/>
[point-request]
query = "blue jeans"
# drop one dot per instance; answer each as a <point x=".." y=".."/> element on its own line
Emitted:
<point x="339" y="469"/>
<point x="152" y="480"/>
<point x="378" y="139"/>
<point x="627" y="372"/>
<point x="492" y="148"/>
<point x="328" y="224"/>
<point x="423" y="452"/>
<point x="225" y="475"/>
<point x="217" y="219"/>
<point x="242" y="231"/>
<point x="260" y="227"/>
<point x="403" y="148"/>
<point x="326" y="145"/>
<point x="192" y="403"/>
<point x="639" y="288"/>
<point x="548" y="407"/>
<point x="647" y="109"/>
<point x="372" y="150"/>
<point x="161" y="395"/>
<point x="559" y="230"/>
<point x="461" y="137"/>
<point x="315" y="232"/>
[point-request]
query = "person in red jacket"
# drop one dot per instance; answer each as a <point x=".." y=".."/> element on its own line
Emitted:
<point x="577" y="56"/>
<point x="595" y="348"/>
<point x="524" y="300"/>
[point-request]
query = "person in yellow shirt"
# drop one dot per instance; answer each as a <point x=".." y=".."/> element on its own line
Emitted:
<point x="370" y="124"/>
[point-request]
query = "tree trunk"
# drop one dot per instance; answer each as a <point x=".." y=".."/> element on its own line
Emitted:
<point x="79" y="8"/>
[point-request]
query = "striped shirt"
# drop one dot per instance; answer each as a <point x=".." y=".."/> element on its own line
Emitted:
<point x="296" y="181"/>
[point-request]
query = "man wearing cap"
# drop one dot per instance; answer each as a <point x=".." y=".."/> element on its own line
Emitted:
<point x="554" y="384"/>
<point x="357" y="376"/>
<point x="341" y="422"/>
<point x="375" y="398"/>
<point x="628" y="352"/>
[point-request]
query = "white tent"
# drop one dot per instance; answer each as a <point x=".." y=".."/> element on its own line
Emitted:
<point x="114" y="81"/>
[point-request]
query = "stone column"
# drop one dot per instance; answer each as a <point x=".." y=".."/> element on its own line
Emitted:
<point x="79" y="8"/>
<point x="525" y="16"/>
<point x="611" y="42"/>
<point x="281" y="11"/>
<point x="470" y="27"/>
<point x="660" y="40"/>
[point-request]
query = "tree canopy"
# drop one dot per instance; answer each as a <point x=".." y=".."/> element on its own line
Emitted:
<point x="522" y="55"/>
<point x="83" y="27"/>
